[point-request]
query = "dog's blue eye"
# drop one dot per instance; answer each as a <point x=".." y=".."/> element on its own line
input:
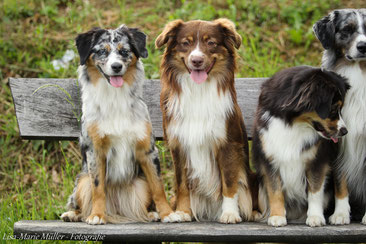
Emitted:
<point x="101" y="52"/>
<point x="124" y="52"/>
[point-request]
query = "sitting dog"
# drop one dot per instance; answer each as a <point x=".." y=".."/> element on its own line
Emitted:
<point x="343" y="36"/>
<point x="297" y="125"/>
<point x="120" y="176"/>
<point x="203" y="124"/>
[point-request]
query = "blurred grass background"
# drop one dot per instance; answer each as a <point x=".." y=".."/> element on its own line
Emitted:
<point x="36" y="177"/>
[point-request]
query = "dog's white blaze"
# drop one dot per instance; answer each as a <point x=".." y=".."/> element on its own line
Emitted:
<point x="196" y="52"/>
<point x="353" y="51"/>
<point x="284" y="144"/>
<point x="199" y="123"/>
<point x="360" y="22"/>
<point x="340" y="123"/>
<point x="352" y="149"/>
<point x="114" y="58"/>
<point x="361" y="37"/>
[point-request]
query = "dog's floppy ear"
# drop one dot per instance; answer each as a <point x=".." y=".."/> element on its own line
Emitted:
<point x="232" y="37"/>
<point x="168" y="33"/>
<point x="139" y="42"/>
<point x="325" y="31"/>
<point x="86" y="41"/>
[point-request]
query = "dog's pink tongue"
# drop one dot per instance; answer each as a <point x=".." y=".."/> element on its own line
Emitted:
<point x="199" y="76"/>
<point x="335" y="140"/>
<point x="116" y="81"/>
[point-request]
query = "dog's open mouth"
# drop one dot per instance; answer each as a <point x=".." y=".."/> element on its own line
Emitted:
<point x="115" y="81"/>
<point x="333" y="138"/>
<point x="320" y="129"/>
<point x="325" y="135"/>
<point x="200" y="75"/>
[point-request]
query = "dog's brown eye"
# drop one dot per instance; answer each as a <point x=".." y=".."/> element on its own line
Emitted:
<point x="211" y="43"/>
<point x="185" y="43"/>
<point x="347" y="29"/>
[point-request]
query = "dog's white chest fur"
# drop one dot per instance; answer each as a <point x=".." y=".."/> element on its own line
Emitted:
<point x="199" y="123"/>
<point x="353" y="150"/>
<point x="110" y="109"/>
<point x="284" y="145"/>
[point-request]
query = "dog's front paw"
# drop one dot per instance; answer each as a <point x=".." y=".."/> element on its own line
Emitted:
<point x="171" y="218"/>
<point x="364" y="220"/>
<point x="340" y="218"/>
<point x="185" y="217"/>
<point x="315" y="220"/>
<point x="153" y="216"/>
<point x="71" y="216"/>
<point x="96" y="219"/>
<point x="277" y="221"/>
<point x="230" y="218"/>
<point x="256" y="216"/>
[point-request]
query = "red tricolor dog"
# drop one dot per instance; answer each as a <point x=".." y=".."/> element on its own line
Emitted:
<point x="202" y="121"/>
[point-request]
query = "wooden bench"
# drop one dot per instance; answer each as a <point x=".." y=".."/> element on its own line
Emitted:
<point x="49" y="109"/>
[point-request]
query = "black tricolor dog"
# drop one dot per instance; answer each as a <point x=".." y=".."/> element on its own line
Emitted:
<point x="343" y="36"/>
<point x="297" y="125"/>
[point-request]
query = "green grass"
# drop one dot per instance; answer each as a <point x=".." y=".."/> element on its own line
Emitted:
<point x="36" y="177"/>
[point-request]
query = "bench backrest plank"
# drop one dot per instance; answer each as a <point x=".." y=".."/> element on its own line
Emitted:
<point x="50" y="108"/>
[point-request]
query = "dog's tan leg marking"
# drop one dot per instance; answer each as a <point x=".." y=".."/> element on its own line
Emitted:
<point x="155" y="183"/>
<point x="101" y="146"/>
<point x="341" y="215"/>
<point x="229" y="157"/>
<point x="182" y="198"/>
<point x="316" y="180"/>
<point x="276" y="201"/>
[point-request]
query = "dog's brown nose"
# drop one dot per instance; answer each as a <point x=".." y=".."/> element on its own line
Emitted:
<point x="197" y="61"/>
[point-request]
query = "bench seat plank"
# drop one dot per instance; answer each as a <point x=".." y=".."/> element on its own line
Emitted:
<point x="49" y="108"/>
<point x="189" y="232"/>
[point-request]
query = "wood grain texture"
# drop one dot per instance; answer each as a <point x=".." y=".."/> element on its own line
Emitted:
<point x="47" y="108"/>
<point x="49" y="114"/>
<point x="194" y="231"/>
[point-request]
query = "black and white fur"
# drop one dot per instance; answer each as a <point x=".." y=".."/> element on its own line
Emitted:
<point x="343" y="35"/>
<point x="297" y="117"/>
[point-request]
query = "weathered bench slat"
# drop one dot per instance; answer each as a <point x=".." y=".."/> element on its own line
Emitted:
<point x="48" y="108"/>
<point x="195" y="231"/>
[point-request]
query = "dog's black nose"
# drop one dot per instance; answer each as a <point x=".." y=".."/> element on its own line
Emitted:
<point x="116" y="67"/>
<point x="343" y="131"/>
<point x="361" y="47"/>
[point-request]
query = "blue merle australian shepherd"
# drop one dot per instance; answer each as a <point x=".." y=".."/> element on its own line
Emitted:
<point x="120" y="176"/>
<point x="343" y="35"/>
